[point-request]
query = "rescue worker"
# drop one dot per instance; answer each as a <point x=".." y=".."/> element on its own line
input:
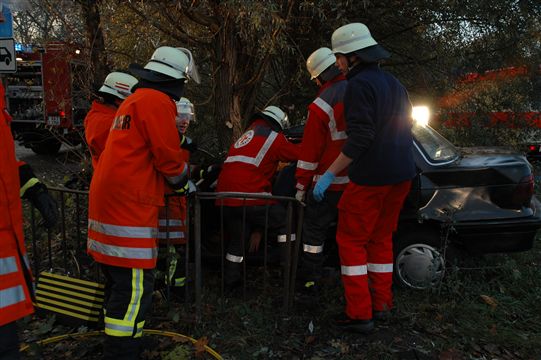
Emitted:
<point x="127" y="189"/>
<point x="249" y="168"/>
<point x="323" y="138"/>
<point x="172" y="217"/>
<point x="378" y="152"/>
<point x="116" y="87"/>
<point x="16" y="180"/>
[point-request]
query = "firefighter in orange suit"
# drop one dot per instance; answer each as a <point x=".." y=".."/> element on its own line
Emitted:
<point x="323" y="138"/>
<point x="116" y="87"/>
<point x="378" y="151"/>
<point x="249" y="168"/>
<point x="16" y="180"/>
<point x="141" y="154"/>
<point x="172" y="219"/>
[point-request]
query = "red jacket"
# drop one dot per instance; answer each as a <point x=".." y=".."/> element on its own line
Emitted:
<point x="16" y="302"/>
<point x="127" y="187"/>
<point x="98" y="122"/>
<point x="173" y="220"/>
<point x="252" y="161"/>
<point x="324" y="136"/>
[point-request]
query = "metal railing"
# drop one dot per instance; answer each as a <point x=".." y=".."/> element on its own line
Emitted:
<point x="63" y="248"/>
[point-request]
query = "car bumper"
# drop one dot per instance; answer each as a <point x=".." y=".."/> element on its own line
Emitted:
<point x="499" y="236"/>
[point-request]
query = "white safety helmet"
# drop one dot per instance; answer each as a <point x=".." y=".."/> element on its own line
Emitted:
<point x="185" y="110"/>
<point x="118" y="84"/>
<point x="356" y="38"/>
<point x="177" y="63"/>
<point x="276" y="114"/>
<point x="319" y="61"/>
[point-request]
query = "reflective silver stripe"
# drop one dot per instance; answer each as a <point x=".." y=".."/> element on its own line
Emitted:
<point x="138" y="232"/>
<point x="337" y="180"/>
<point x="355" y="270"/>
<point x="8" y="265"/>
<point x="305" y="165"/>
<point x="128" y="330"/>
<point x="170" y="222"/>
<point x="335" y="134"/>
<point x="260" y="155"/>
<point x="11" y="296"/>
<point x="338" y="44"/>
<point x="172" y="235"/>
<point x="380" y="268"/>
<point x="233" y="258"/>
<point x="283" y="238"/>
<point x="312" y="249"/>
<point x="122" y="251"/>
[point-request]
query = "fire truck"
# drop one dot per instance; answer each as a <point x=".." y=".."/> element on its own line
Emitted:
<point x="46" y="96"/>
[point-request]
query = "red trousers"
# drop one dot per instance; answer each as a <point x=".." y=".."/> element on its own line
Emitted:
<point x="368" y="216"/>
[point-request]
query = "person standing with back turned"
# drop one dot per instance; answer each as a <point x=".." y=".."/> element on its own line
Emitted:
<point x="378" y="152"/>
<point x="127" y="189"/>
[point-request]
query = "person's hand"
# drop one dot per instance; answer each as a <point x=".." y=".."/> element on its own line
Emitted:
<point x="322" y="184"/>
<point x="255" y="240"/>
<point x="46" y="206"/>
<point x="300" y="195"/>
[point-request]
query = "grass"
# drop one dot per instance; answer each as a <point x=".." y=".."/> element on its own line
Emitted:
<point x="487" y="308"/>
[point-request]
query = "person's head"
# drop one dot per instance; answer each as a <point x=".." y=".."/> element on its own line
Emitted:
<point x="321" y="65"/>
<point x="116" y="87"/>
<point x="353" y="44"/>
<point x="276" y="117"/>
<point x="185" y="114"/>
<point x="167" y="70"/>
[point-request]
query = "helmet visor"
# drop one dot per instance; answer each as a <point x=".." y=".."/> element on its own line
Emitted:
<point x="191" y="68"/>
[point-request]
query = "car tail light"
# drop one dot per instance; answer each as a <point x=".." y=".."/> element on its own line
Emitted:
<point x="532" y="147"/>
<point x="62" y="113"/>
<point x="524" y="191"/>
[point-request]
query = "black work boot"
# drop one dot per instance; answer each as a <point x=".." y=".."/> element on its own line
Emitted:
<point x="343" y="321"/>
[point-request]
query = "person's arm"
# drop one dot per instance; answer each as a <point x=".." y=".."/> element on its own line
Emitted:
<point x="36" y="192"/>
<point x="311" y="150"/>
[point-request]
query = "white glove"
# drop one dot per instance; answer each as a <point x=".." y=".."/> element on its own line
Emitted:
<point x="300" y="195"/>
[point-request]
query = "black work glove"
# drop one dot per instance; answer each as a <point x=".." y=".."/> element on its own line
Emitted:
<point x="188" y="144"/>
<point x="44" y="202"/>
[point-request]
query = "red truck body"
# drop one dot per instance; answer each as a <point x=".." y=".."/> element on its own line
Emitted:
<point x="45" y="96"/>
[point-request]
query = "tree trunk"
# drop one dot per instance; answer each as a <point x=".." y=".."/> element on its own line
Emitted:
<point x="95" y="41"/>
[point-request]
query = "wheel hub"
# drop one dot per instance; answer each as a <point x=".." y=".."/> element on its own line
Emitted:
<point x="420" y="266"/>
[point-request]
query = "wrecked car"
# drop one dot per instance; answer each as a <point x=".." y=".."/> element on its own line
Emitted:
<point x="480" y="200"/>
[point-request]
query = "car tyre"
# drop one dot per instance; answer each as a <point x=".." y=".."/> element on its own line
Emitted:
<point x="418" y="259"/>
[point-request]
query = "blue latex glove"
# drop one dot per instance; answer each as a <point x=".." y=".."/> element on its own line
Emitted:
<point x="322" y="184"/>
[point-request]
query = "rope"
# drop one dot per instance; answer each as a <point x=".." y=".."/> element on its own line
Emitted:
<point x="54" y="339"/>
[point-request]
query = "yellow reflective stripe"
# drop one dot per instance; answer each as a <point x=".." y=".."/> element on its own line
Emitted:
<point x="80" y="288"/>
<point x="66" y="312"/>
<point x="28" y="185"/>
<point x="180" y="281"/>
<point x="116" y="327"/>
<point x="309" y="284"/>
<point x="63" y="304"/>
<point x="136" y="295"/>
<point x="96" y="305"/>
<point x="72" y="293"/>
<point x="139" y="331"/>
<point x="90" y="283"/>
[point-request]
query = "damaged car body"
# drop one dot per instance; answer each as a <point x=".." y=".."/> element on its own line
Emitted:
<point x="480" y="200"/>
